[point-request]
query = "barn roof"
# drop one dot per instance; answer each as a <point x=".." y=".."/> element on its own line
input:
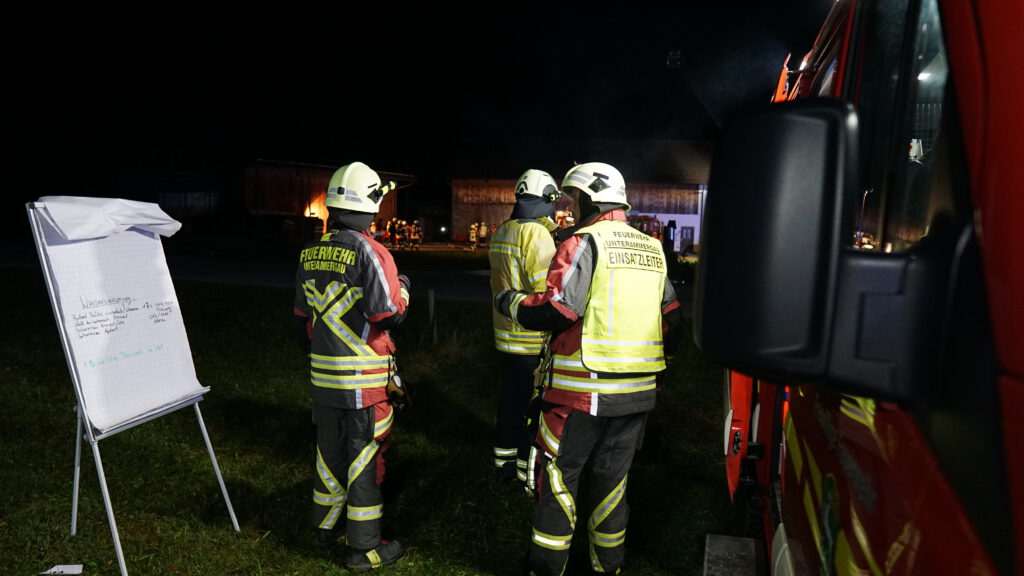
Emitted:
<point x="681" y="161"/>
<point x="401" y="180"/>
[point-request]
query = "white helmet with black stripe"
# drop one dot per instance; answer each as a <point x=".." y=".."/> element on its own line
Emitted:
<point x="603" y="183"/>
<point x="357" y="188"/>
<point x="537" y="183"/>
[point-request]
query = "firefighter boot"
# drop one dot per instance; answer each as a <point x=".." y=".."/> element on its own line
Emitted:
<point x="383" y="555"/>
<point x="327" y="538"/>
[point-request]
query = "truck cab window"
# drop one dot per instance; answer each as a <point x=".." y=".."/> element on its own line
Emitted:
<point x="912" y="202"/>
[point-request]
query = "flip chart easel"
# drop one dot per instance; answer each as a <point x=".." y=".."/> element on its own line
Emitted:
<point x="119" y="323"/>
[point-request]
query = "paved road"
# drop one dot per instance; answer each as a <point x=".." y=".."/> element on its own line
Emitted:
<point x="466" y="286"/>
<point x="461" y="286"/>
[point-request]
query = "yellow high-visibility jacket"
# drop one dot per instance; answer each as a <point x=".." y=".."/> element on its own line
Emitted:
<point x="610" y="281"/>
<point x="520" y="253"/>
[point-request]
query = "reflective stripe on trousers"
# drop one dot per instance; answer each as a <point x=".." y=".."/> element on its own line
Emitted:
<point x="349" y="446"/>
<point x="612" y="442"/>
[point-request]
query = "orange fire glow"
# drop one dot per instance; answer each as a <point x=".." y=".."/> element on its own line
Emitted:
<point x="317" y="208"/>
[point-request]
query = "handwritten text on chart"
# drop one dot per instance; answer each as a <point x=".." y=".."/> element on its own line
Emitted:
<point x="115" y="358"/>
<point x="105" y="315"/>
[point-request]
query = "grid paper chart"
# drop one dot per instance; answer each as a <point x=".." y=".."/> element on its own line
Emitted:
<point x="125" y="334"/>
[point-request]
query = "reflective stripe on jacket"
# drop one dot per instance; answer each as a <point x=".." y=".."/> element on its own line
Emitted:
<point x="520" y="253"/>
<point x="622" y="323"/>
<point x="582" y="275"/>
<point x="346" y="282"/>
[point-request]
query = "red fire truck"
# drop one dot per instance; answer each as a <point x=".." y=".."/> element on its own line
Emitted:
<point x="862" y="279"/>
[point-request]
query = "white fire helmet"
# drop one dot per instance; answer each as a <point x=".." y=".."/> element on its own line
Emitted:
<point x="602" y="182"/>
<point x="356" y="187"/>
<point x="538" y="183"/>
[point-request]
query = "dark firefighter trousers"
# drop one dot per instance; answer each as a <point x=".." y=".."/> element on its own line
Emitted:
<point x="599" y="451"/>
<point x="349" y="468"/>
<point x="511" y="439"/>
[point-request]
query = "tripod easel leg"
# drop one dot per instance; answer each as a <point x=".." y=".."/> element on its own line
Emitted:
<point x="110" y="508"/>
<point x="216" y="468"/>
<point x="77" y="473"/>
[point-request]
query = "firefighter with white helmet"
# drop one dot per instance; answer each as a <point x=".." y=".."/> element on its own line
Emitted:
<point x="614" y="318"/>
<point x="519" y="255"/>
<point x="348" y="295"/>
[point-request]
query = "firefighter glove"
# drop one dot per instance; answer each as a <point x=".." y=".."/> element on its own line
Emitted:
<point x="404" y="281"/>
<point x="503" y="302"/>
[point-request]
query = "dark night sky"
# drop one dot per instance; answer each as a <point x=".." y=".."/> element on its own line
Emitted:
<point x="401" y="88"/>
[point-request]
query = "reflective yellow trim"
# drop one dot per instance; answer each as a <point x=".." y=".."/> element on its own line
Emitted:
<point x="606" y="540"/>
<point x="548" y="436"/>
<point x="346" y="363"/>
<point x="503" y="456"/>
<point x="608" y="505"/>
<point x="326" y="475"/>
<point x="812" y="520"/>
<point x="330" y="308"/>
<point x="318" y="300"/>
<point x="621" y="331"/>
<point x="897" y="547"/>
<point x="364" y="513"/>
<point x="793" y="445"/>
<point x="561" y="493"/>
<point x="603" y="385"/>
<point x="861" y="410"/>
<point x="862" y="538"/>
<point x="845" y="565"/>
<point x="519" y="342"/>
<point x="374" y="558"/>
<point x="349" y="382"/>
<point x="503" y="249"/>
<point x="362" y="461"/>
<point x="382" y="427"/>
<point x="336" y="497"/>
<point x="325" y="499"/>
<point x="551" y="542"/>
<point x="812" y="466"/>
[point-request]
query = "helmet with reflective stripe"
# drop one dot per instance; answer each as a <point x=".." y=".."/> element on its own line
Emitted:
<point x="356" y="187"/>
<point x="600" y="181"/>
<point x="537" y="183"/>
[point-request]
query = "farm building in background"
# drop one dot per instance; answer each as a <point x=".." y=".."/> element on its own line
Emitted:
<point x="666" y="180"/>
<point x="282" y="202"/>
<point x="288" y="197"/>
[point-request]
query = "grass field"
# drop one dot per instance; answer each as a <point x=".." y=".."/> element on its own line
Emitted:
<point x="441" y="498"/>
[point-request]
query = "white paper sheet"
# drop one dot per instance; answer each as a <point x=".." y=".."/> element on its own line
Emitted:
<point x="64" y="569"/>
<point x="124" y="332"/>
<point x="83" y="218"/>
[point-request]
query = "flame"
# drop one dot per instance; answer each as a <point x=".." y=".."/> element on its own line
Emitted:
<point x="317" y="209"/>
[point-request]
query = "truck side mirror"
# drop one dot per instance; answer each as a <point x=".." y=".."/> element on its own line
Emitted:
<point x="780" y="293"/>
<point x="765" y="283"/>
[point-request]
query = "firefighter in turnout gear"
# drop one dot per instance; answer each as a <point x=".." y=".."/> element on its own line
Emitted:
<point x="613" y="315"/>
<point x="519" y="255"/>
<point x="348" y="295"/>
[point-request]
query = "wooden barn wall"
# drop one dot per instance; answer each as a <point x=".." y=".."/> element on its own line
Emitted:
<point x="283" y="189"/>
<point x="491" y="201"/>
<point x="488" y="201"/>
<point x="296" y="190"/>
<point x="663" y="198"/>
